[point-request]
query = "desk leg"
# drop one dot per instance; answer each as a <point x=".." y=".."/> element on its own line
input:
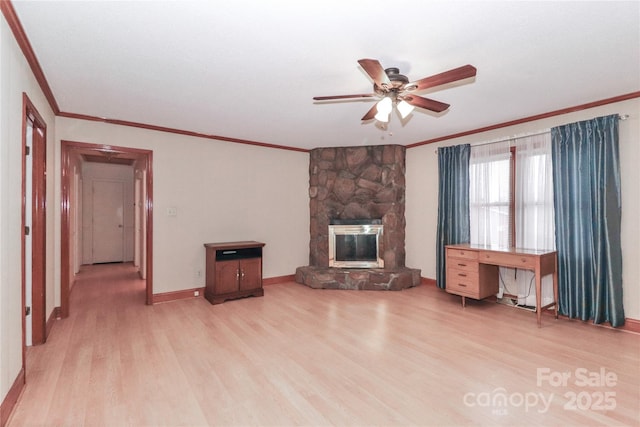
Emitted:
<point x="538" y="297"/>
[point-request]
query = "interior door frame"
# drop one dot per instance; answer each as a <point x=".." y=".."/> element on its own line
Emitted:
<point x="38" y="200"/>
<point x="69" y="149"/>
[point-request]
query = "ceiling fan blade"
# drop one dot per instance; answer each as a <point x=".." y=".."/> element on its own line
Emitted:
<point x="426" y="103"/>
<point x="361" y="95"/>
<point x="371" y="113"/>
<point x="375" y="71"/>
<point x="456" y="74"/>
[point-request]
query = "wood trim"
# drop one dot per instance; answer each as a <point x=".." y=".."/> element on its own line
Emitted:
<point x="23" y="42"/>
<point x="38" y="201"/>
<point x="512" y="196"/>
<point x="279" y="279"/>
<point x="190" y="293"/>
<point x="101" y="148"/>
<point x="427" y="281"/>
<point x="568" y="110"/>
<point x="149" y="225"/>
<point x="55" y="314"/>
<point x="631" y="325"/>
<point x="178" y="131"/>
<point x="23" y="245"/>
<point x="178" y="295"/>
<point x="67" y="148"/>
<point x="10" y="400"/>
<point x="562" y="111"/>
<point x="27" y="50"/>
<point x="18" y="31"/>
<point x="65" y="233"/>
<point x="39" y="230"/>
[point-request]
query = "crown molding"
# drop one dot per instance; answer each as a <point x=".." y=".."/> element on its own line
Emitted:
<point x="568" y="110"/>
<point x="23" y="42"/>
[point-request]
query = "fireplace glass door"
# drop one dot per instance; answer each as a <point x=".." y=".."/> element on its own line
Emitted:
<point x="355" y="246"/>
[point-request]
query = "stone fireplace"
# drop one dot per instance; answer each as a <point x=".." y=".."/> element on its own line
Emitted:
<point x="356" y="184"/>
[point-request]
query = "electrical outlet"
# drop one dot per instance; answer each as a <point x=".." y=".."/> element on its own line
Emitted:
<point x="196" y="293"/>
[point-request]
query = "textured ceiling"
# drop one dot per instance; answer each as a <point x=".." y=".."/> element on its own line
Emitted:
<point x="249" y="69"/>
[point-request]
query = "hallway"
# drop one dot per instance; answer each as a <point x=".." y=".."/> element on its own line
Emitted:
<point x="76" y="378"/>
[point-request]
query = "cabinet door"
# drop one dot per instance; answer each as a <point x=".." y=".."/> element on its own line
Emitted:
<point x="250" y="273"/>
<point x="226" y="277"/>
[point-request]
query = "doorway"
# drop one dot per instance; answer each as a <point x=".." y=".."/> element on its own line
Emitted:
<point x="73" y="155"/>
<point x="34" y="202"/>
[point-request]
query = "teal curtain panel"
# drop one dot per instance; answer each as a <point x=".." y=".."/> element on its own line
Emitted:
<point x="587" y="202"/>
<point x="453" y="203"/>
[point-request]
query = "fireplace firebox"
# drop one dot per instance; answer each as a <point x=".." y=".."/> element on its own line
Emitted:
<point x="355" y="243"/>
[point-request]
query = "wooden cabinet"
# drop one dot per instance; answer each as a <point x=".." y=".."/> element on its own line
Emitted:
<point x="467" y="277"/>
<point x="233" y="270"/>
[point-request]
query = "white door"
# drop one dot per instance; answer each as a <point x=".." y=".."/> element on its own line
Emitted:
<point x="108" y="226"/>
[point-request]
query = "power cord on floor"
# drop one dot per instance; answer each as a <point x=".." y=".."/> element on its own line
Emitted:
<point x="504" y="285"/>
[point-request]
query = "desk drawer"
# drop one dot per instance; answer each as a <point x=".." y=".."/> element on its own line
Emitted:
<point x="462" y="264"/>
<point x="462" y="253"/>
<point x="455" y="274"/>
<point x="508" y="260"/>
<point x="459" y="281"/>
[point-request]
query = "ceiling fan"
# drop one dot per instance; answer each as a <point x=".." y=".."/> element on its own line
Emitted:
<point x="395" y="89"/>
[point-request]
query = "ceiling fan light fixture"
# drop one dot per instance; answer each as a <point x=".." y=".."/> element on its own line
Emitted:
<point x="382" y="117"/>
<point x="385" y="105"/>
<point x="404" y="108"/>
<point x="395" y="90"/>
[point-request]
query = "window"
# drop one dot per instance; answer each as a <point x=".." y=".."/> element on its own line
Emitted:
<point x="534" y="219"/>
<point x="511" y="204"/>
<point x="490" y="195"/>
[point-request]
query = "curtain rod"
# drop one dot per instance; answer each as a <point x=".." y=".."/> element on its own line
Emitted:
<point x="620" y="117"/>
<point x="512" y="138"/>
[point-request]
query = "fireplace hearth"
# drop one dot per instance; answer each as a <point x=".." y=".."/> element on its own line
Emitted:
<point x="347" y="186"/>
<point x="363" y="279"/>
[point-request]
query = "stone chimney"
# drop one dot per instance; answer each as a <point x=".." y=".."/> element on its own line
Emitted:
<point x="365" y="182"/>
<point x="357" y="183"/>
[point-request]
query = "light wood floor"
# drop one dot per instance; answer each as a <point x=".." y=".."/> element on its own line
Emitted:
<point x="299" y="356"/>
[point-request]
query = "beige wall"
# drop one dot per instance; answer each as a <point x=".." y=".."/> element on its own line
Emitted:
<point x="422" y="192"/>
<point x="16" y="78"/>
<point x="222" y="191"/>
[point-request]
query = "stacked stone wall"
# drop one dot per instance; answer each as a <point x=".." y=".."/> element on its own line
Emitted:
<point x="358" y="183"/>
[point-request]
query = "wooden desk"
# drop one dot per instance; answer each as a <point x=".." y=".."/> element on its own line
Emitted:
<point x="472" y="271"/>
